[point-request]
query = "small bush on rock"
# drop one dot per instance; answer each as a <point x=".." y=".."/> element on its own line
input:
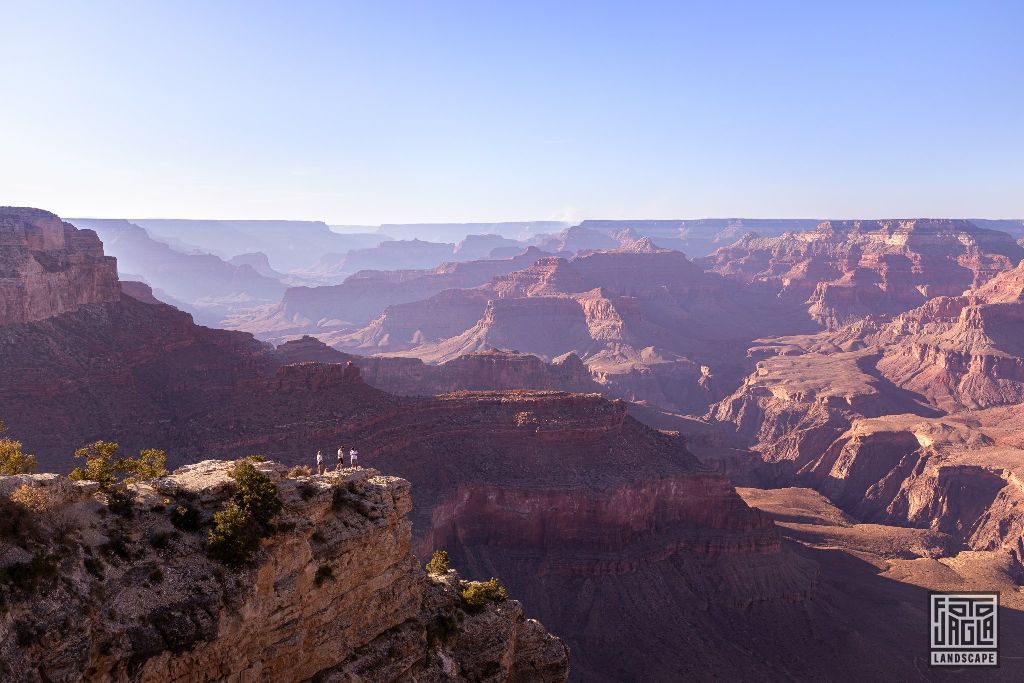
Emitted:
<point x="102" y="467"/>
<point x="238" y="528"/>
<point x="256" y="493"/>
<point x="186" y="518"/>
<point x="120" y="501"/>
<point x="12" y="459"/>
<point x="476" y="595"/>
<point x="300" y="471"/>
<point x="234" y="538"/>
<point x="439" y="563"/>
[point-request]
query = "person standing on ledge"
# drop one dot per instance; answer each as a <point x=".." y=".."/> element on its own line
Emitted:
<point x="319" y="462"/>
<point x="353" y="458"/>
<point x="341" y="457"/>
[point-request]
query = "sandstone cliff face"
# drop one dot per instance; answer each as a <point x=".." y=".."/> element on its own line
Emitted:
<point x="961" y="352"/>
<point x="836" y="423"/>
<point x="126" y="607"/>
<point x="48" y="267"/>
<point x="845" y="270"/>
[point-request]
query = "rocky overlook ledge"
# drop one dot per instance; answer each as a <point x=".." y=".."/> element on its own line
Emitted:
<point x="91" y="590"/>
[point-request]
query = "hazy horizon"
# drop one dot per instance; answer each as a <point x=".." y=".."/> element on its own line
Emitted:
<point x="358" y="114"/>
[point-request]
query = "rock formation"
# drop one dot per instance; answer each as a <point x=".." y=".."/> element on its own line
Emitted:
<point x="48" y="267"/>
<point x="845" y="270"/>
<point x="487" y="370"/>
<point x="334" y="594"/>
<point x="650" y="323"/>
<point x="701" y="236"/>
<point x="363" y="296"/>
<point x="960" y="352"/>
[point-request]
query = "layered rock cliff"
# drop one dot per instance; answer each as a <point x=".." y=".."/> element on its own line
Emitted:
<point x="334" y="594"/>
<point x="960" y="352"/>
<point x="845" y="270"/>
<point x="48" y="267"/>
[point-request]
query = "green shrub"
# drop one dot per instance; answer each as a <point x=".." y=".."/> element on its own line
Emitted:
<point x="150" y="464"/>
<point x="99" y="464"/>
<point x="256" y="493"/>
<point x="102" y="467"/>
<point x="120" y="502"/>
<point x="234" y="538"/>
<point x="439" y="563"/>
<point x="186" y="518"/>
<point x="12" y="459"/>
<point x="238" y="528"/>
<point x="476" y="595"/>
<point x="323" y="573"/>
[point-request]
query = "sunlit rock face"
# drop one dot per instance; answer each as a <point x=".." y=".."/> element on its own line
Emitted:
<point x="845" y="270"/>
<point x="49" y="267"/>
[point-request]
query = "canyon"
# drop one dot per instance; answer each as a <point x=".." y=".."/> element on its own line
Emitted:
<point x="576" y="425"/>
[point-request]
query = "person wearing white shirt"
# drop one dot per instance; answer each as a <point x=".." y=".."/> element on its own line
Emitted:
<point x="353" y="458"/>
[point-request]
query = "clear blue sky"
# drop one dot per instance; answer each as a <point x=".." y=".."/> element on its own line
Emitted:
<point x="413" y="111"/>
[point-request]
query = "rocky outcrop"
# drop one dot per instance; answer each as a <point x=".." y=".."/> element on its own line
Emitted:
<point x="846" y="270"/>
<point x="487" y="370"/>
<point x="960" y="352"/>
<point x="474" y="247"/>
<point x="334" y="593"/>
<point x="48" y="267"/>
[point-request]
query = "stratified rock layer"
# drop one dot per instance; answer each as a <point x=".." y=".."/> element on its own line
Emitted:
<point x="845" y="270"/>
<point x="48" y="267"/>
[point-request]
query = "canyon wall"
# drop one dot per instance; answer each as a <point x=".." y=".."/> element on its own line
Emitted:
<point x="48" y="267"/>
<point x="846" y="270"/>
